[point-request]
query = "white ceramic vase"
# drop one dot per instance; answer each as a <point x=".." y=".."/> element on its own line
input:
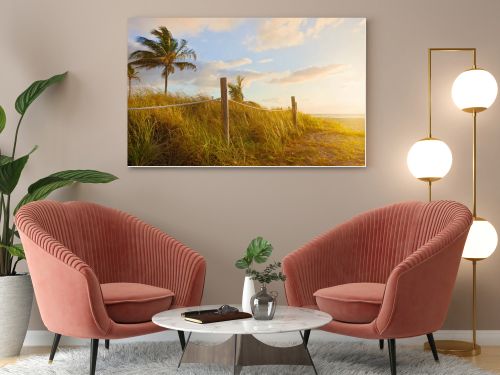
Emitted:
<point x="16" y="298"/>
<point x="248" y="292"/>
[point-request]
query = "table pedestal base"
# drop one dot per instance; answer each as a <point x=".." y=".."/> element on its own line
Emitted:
<point x="246" y="350"/>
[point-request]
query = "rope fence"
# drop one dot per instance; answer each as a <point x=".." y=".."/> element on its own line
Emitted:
<point x="260" y="109"/>
<point x="173" y="105"/>
<point x="224" y="100"/>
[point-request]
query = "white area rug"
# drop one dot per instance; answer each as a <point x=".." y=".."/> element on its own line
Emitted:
<point x="162" y="358"/>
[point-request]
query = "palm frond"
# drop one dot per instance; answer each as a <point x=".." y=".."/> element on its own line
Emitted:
<point x="182" y="43"/>
<point x="165" y="39"/>
<point x="182" y="65"/>
<point x="236" y="89"/>
<point x="132" y="73"/>
<point x="154" y="46"/>
<point x="186" y="54"/>
<point x="148" y="62"/>
<point x="142" y="54"/>
<point x="162" y="33"/>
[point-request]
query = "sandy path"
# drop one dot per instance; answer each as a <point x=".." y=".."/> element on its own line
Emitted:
<point x="326" y="148"/>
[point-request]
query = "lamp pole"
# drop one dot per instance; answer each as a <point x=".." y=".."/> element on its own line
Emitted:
<point x="454" y="347"/>
<point x="475" y="347"/>
<point x="429" y="95"/>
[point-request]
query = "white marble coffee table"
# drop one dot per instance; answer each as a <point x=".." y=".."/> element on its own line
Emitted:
<point x="242" y="348"/>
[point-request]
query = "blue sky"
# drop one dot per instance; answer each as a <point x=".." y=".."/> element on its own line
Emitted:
<point x="321" y="61"/>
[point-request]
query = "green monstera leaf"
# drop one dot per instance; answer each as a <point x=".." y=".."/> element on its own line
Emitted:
<point x="29" y="95"/>
<point x="242" y="263"/>
<point x="259" y="250"/>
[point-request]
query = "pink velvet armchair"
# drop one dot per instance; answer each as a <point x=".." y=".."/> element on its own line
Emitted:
<point x="385" y="274"/>
<point x="99" y="273"/>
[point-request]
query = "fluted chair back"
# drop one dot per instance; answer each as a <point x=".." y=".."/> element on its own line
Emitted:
<point x="74" y="247"/>
<point x="368" y="247"/>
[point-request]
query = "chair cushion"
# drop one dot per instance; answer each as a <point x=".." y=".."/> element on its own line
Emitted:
<point x="135" y="303"/>
<point x="351" y="303"/>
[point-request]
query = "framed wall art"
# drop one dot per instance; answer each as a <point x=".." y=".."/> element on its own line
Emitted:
<point x="246" y="92"/>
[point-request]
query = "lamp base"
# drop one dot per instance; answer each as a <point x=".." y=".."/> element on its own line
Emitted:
<point x="456" y="348"/>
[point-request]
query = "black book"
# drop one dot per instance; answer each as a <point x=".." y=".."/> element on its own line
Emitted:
<point x="214" y="316"/>
<point x="190" y="314"/>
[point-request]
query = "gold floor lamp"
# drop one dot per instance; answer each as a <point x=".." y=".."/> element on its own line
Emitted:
<point x="430" y="159"/>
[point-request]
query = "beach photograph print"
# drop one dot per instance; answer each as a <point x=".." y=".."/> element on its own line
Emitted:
<point x="246" y="92"/>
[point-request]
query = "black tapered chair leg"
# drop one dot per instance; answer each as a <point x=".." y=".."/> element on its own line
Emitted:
<point x="381" y="344"/>
<point x="392" y="355"/>
<point x="106" y="344"/>
<point x="182" y="339"/>
<point x="55" y="344"/>
<point x="94" y="346"/>
<point x="307" y="333"/>
<point x="432" y="344"/>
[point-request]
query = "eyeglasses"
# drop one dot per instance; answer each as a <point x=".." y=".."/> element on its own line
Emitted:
<point x="226" y="309"/>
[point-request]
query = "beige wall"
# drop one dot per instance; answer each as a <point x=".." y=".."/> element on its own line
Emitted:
<point x="82" y="124"/>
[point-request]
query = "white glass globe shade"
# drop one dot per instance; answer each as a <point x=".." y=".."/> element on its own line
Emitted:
<point x="474" y="90"/>
<point x="481" y="241"/>
<point x="429" y="159"/>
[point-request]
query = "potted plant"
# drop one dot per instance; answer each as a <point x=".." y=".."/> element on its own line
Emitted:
<point x="258" y="251"/>
<point x="16" y="291"/>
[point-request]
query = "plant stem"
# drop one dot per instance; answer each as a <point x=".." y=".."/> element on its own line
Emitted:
<point x="12" y="234"/>
<point x="13" y="271"/>
<point x="15" y="137"/>
<point x="6" y="237"/>
<point x="5" y="234"/>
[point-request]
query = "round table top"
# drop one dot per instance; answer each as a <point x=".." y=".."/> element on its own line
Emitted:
<point x="286" y="319"/>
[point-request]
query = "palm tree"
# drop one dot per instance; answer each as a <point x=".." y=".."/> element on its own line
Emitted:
<point x="165" y="52"/>
<point x="132" y="74"/>
<point x="236" y="89"/>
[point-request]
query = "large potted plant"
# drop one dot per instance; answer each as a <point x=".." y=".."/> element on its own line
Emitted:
<point x="16" y="291"/>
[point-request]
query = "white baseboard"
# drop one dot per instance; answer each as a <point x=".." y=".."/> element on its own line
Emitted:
<point x="484" y="337"/>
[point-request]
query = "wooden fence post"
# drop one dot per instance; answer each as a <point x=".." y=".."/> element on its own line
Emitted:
<point x="294" y="111"/>
<point x="224" y="106"/>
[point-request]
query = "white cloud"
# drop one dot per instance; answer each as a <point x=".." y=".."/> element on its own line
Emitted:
<point x="230" y="64"/>
<point x="182" y="27"/>
<point x="265" y="61"/>
<point x="322" y="23"/>
<point x="208" y="74"/>
<point x="311" y="73"/>
<point x="276" y="33"/>
<point x="132" y="46"/>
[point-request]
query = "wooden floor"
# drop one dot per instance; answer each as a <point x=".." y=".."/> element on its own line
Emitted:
<point x="488" y="360"/>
